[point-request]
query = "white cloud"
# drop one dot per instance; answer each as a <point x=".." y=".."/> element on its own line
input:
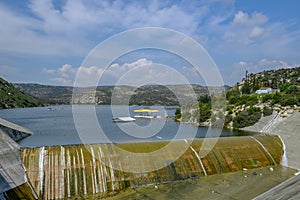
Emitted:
<point x="89" y="76"/>
<point x="61" y="80"/>
<point x="256" y="32"/>
<point x="49" y="71"/>
<point x="78" y="25"/>
<point x="242" y="63"/>
<point x="74" y="27"/>
<point x="152" y="74"/>
<point x="64" y="75"/>
<point x="265" y="64"/>
<point x="26" y="34"/>
<point x="141" y="71"/>
<point x="66" y="71"/>
<point x="245" y="29"/>
<point x="242" y="18"/>
<point x="139" y="62"/>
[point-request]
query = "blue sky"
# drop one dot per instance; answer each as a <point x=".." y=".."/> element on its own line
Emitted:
<point x="47" y="41"/>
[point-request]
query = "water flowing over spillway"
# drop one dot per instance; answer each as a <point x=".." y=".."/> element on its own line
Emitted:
<point x="98" y="170"/>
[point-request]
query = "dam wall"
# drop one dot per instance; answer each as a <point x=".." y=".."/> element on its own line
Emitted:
<point x="14" y="131"/>
<point x="13" y="181"/>
<point x="101" y="170"/>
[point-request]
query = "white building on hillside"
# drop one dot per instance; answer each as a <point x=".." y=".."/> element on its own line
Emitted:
<point x="264" y="90"/>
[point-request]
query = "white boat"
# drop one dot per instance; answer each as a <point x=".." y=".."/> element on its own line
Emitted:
<point x="123" y="119"/>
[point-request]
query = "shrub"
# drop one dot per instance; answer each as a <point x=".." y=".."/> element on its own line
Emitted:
<point x="228" y="119"/>
<point x="293" y="89"/>
<point x="247" y="117"/>
<point x="233" y="100"/>
<point x="177" y="114"/>
<point x="205" y="112"/>
<point x="276" y="98"/>
<point x="290" y="101"/>
<point x="266" y="97"/>
<point x="284" y="87"/>
<point x="204" y="99"/>
<point x="267" y="111"/>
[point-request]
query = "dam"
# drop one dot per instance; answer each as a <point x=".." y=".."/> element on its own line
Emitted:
<point x="13" y="180"/>
<point x="100" y="170"/>
<point x="96" y="171"/>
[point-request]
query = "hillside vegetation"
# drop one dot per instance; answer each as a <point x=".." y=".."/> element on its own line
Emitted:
<point x="11" y="97"/>
<point x="145" y="95"/>
<point x="244" y="107"/>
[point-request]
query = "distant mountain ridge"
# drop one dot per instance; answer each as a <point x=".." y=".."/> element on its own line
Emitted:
<point x="145" y="95"/>
<point x="11" y="97"/>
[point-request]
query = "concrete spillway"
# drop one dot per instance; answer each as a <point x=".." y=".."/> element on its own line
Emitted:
<point x="100" y="170"/>
<point x="13" y="181"/>
<point x="14" y="131"/>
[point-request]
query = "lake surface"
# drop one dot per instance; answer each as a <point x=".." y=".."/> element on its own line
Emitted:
<point x="56" y="126"/>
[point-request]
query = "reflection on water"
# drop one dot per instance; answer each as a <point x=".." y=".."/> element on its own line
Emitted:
<point x="55" y="126"/>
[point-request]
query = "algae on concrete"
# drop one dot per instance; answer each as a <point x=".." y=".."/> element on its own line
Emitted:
<point x="101" y="170"/>
<point x="226" y="186"/>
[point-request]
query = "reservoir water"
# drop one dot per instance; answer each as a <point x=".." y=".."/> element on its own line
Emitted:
<point x="56" y="126"/>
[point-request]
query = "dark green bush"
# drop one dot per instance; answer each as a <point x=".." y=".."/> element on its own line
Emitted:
<point x="177" y="114"/>
<point x="204" y="99"/>
<point x="228" y="119"/>
<point x="276" y="98"/>
<point x="293" y="89"/>
<point x="247" y="117"/>
<point x="289" y="101"/>
<point x="266" y="97"/>
<point x="205" y="112"/>
<point x="233" y="99"/>
<point x="267" y="111"/>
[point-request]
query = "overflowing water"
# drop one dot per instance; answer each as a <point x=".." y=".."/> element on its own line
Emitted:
<point x="71" y="171"/>
<point x="41" y="169"/>
<point x="265" y="149"/>
<point x="284" y="160"/>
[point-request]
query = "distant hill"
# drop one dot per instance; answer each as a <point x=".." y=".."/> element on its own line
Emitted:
<point x="145" y="95"/>
<point x="47" y="93"/>
<point x="11" y="97"/>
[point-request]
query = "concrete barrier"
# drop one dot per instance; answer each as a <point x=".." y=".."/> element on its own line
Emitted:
<point x="14" y="131"/>
<point x="13" y="180"/>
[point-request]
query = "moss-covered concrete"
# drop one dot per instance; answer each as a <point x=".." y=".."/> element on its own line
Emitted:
<point x="101" y="170"/>
<point x="226" y="186"/>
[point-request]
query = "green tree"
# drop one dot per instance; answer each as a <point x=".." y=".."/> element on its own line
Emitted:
<point x="292" y="89"/>
<point x="177" y="114"/>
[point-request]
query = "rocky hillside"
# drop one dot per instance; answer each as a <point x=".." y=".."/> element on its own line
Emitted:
<point x="244" y="107"/>
<point x="276" y="79"/>
<point x="11" y="97"/>
<point x="145" y="95"/>
<point x="47" y="93"/>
